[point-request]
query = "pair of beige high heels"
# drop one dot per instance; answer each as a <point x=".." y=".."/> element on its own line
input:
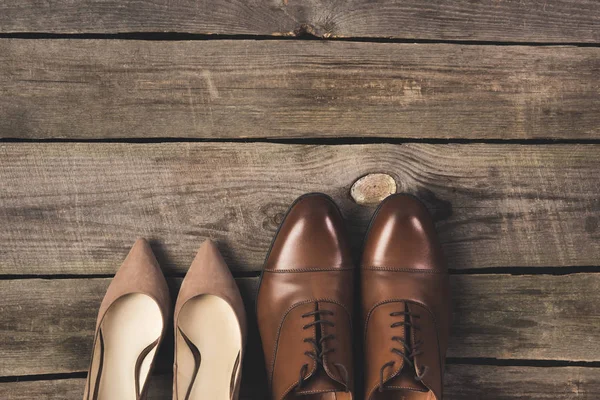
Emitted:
<point x="209" y="323"/>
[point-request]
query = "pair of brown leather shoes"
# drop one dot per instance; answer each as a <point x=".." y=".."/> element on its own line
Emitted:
<point x="306" y="300"/>
<point x="209" y="322"/>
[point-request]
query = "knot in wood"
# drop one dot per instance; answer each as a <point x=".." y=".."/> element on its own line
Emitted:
<point x="373" y="188"/>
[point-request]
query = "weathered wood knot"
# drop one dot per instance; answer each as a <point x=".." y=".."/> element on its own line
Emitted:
<point x="373" y="188"/>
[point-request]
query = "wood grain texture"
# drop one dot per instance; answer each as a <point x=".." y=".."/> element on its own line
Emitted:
<point x="48" y="325"/>
<point x="477" y="382"/>
<point x="462" y="382"/>
<point x="518" y="21"/>
<point x="76" y="208"/>
<point x="92" y="89"/>
<point x="72" y="389"/>
<point x="537" y="317"/>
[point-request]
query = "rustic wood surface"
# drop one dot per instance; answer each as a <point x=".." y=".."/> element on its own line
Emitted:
<point x="72" y="389"/>
<point x="490" y="20"/>
<point x="477" y="382"/>
<point x="92" y="89"/>
<point x="470" y="114"/>
<point x="48" y="325"/>
<point x="76" y="208"/>
<point x="462" y="382"/>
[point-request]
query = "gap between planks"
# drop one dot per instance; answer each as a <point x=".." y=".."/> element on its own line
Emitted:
<point x="515" y="271"/>
<point x="181" y="36"/>
<point x="312" y="141"/>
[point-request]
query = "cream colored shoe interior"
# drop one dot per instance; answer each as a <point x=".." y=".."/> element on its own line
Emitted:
<point x="129" y="335"/>
<point x="209" y="344"/>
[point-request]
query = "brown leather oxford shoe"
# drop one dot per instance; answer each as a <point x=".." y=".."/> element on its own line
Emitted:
<point x="304" y="305"/>
<point x="405" y="303"/>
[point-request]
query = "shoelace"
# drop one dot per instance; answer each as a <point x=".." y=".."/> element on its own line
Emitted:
<point x="410" y="351"/>
<point x="319" y="350"/>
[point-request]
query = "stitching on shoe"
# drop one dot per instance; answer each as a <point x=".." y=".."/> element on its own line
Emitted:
<point x="408" y="388"/>
<point x="309" y="269"/>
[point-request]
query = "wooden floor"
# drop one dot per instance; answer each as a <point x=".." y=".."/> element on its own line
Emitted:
<point x="180" y="121"/>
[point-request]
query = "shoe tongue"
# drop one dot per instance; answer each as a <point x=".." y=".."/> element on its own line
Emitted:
<point x="320" y="382"/>
<point x="405" y="380"/>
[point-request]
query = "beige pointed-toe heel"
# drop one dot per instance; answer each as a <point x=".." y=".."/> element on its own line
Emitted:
<point x="130" y="326"/>
<point x="210" y="331"/>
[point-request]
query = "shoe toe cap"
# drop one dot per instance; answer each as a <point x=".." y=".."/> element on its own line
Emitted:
<point x="312" y="236"/>
<point x="402" y="236"/>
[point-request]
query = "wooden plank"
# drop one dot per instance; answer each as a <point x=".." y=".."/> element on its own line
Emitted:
<point x="72" y="389"/>
<point x="76" y="208"/>
<point x="47" y="325"/>
<point x="536" y="317"/>
<point x="93" y="89"/>
<point x="468" y="382"/>
<point x="548" y="21"/>
<point x="462" y="382"/>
